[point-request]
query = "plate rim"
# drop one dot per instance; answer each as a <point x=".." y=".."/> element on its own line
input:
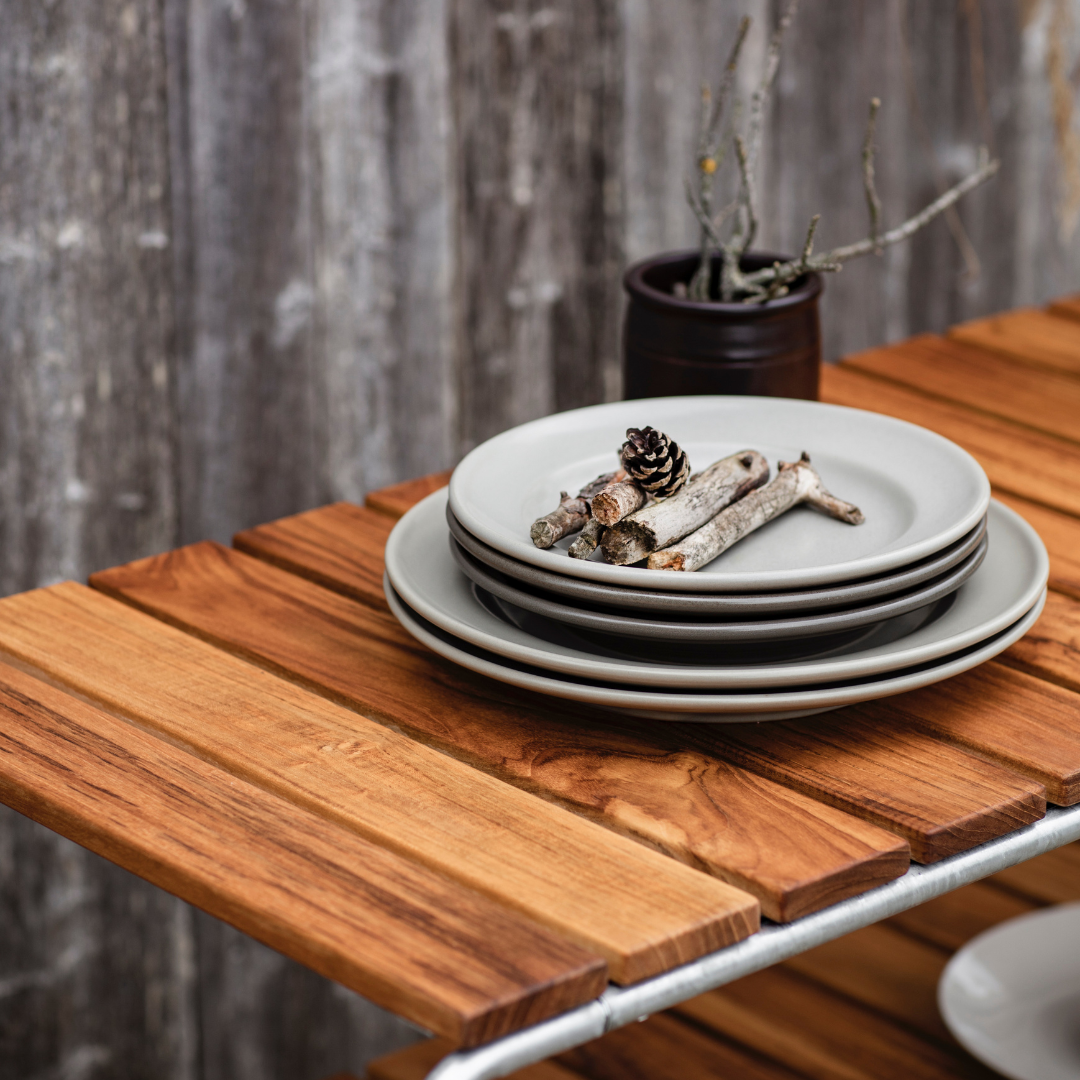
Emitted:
<point x="736" y="603"/>
<point x="789" y="674"/>
<point x="713" y="581"/>
<point x="856" y="617"/>
<point x="645" y="700"/>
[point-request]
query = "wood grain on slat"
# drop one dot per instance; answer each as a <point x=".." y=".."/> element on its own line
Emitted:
<point x="1022" y="722"/>
<point x="940" y="798"/>
<point x="1061" y="535"/>
<point x="444" y="956"/>
<point x="396" y="499"/>
<point x="329" y="546"/>
<point x="1027" y="336"/>
<point x="1051" y="649"/>
<point x="415" y="1062"/>
<point x="1036" y="466"/>
<point x="953" y="919"/>
<point x="1053" y="878"/>
<point x="883" y="969"/>
<point x="1066" y="307"/>
<point x="662" y="1048"/>
<point x="943" y="367"/>
<point x="640" y="910"/>
<point x="821" y="1034"/>
<point x="793" y="853"/>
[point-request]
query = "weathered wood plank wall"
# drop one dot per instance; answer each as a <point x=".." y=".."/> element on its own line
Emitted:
<point x="255" y="256"/>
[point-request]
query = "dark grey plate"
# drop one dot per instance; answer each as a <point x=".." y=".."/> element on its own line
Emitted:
<point x="592" y="594"/>
<point x="730" y="631"/>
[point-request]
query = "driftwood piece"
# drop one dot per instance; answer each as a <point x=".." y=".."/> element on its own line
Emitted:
<point x="618" y="500"/>
<point x="707" y="493"/>
<point x="571" y="513"/>
<point x="796" y="482"/>
<point x="585" y="542"/>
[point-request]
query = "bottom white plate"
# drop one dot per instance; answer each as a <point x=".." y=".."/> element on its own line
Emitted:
<point x="1012" y="995"/>
<point x="711" y="707"/>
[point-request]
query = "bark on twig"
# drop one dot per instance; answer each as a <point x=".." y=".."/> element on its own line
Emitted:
<point x="757" y="283"/>
<point x="796" y="482"/>
<point x="571" y="513"/>
<point x="710" y="157"/>
<point x="617" y="500"/>
<point x="585" y="542"/>
<point x="873" y="203"/>
<point x="706" y="494"/>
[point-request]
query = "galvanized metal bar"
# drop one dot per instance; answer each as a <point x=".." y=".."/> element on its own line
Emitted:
<point x="619" y="1006"/>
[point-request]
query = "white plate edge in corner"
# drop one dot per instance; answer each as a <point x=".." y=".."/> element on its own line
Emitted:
<point x="715" y="708"/>
<point x="457" y="613"/>
<point x="510" y="543"/>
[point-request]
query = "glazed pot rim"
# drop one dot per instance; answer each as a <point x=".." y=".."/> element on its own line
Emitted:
<point x="634" y="283"/>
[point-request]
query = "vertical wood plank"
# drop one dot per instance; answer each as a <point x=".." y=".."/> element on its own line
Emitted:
<point x="536" y="114"/>
<point x="97" y="969"/>
<point x="85" y="306"/>
<point x="247" y="418"/>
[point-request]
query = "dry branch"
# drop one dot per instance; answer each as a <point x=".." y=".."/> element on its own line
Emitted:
<point x="706" y="494"/>
<point x="617" y="500"/>
<point x="873" y="203"/>
<point x="585" y="542"/>
<point x="796" y="482"/>
<point x="571" y="513"/>
<point x="773" y="281"/>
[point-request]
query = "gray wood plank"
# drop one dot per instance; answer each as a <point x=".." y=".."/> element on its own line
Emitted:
<point x="536" y="110"/>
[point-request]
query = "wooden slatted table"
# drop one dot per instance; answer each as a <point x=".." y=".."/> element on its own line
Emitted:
<point x="251" y="729"/>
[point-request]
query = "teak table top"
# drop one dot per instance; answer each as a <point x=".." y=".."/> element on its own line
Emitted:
<point x="251" y="729"/>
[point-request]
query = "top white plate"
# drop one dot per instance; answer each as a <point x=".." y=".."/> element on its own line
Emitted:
<point x="919" y="491"/>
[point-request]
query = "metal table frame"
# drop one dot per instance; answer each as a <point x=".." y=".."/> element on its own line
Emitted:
<point x="619" y="1006"/>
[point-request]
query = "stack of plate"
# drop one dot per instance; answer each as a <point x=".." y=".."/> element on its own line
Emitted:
<point x="806" y="614"/>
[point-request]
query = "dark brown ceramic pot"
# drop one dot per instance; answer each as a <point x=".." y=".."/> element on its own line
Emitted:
<point x="673" y="346"/>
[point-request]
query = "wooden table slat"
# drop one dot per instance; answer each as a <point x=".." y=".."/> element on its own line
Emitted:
<point x="662" y="1048"/>
<point x="641" y="911"/>
<point x="1051" y="649"/>
<point x="1028" y="336"/>
<point x="940" y="798"/>
<point x="884" y="969"/>
<point x="321" y="545"/>
<point x="822" y="1034"/>
<point x="1039" y="467"/>
<point x="395" y="500"/>
<point x="443" y="956"/>
<point x="795" y="854"/>
<point x="952" y="920"/>
<point x="1065" y="307"/>
<point x="1053" y="878"/>
<point x="415" y="1062"/>
<point x="1046" y="400"/>
<point x="1060" y="533"/>
<point x="1022" y="722"/>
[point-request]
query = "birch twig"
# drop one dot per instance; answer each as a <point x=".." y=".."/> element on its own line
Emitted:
<point x="571" y="513"/>
<point x="585" y="542"/>
<point x="617" y="500"/>
<point x="610" y="504"/>
<point x="873" y="203"/>
<point x="705" y="495"/>
<point x="796" y="482"/>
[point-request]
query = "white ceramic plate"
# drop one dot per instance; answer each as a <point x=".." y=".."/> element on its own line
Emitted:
<point x="422" y="570"/>
<point x="1012" y="995"/>
<point x="733" y="707"/>
<point x="802" y="625"/>
<point x="919" y="492"/>
<point x="719" y="605"/>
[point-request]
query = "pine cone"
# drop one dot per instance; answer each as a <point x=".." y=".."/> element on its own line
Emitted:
<point x="654" y="461"/>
